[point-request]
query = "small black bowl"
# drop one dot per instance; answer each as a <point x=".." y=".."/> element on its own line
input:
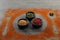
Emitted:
<point x="22" y="27"/>
<point x="36" y="23"/>
<point x="30" y="15"/>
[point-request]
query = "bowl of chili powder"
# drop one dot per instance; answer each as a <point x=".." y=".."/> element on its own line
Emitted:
<point x="36" y="23"/>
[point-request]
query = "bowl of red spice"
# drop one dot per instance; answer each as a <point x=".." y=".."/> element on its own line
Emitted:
<point x="36" y="23"/>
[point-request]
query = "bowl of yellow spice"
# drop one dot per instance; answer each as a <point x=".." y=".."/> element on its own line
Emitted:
<point x="23" y="23"/>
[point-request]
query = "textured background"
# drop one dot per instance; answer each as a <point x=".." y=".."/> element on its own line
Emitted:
<point x="29" y="3"/>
